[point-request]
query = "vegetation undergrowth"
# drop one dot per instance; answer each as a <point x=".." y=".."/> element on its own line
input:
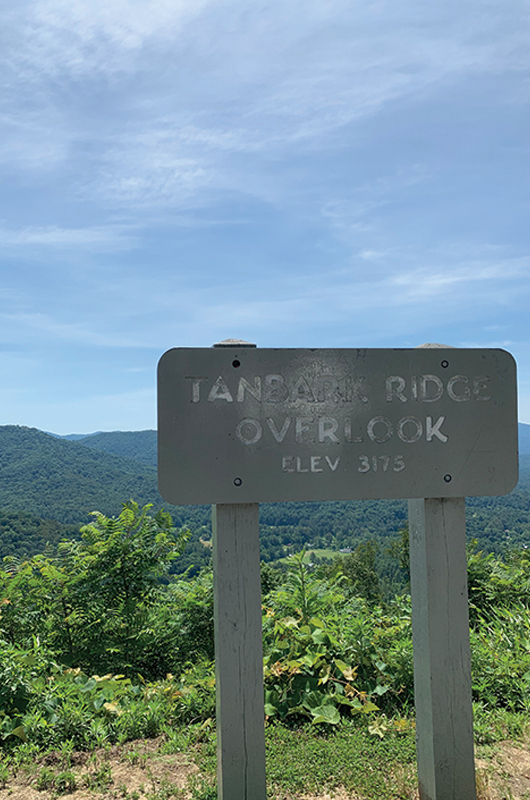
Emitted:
<point x="100" y="644"/>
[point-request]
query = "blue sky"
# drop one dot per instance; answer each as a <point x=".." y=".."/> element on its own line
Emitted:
<point x="303" y="174"/>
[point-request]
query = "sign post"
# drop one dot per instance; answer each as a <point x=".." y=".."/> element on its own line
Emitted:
<point x="442" y="661"/>
<point x="239" y="425"/>
<point x="240" y="716"/>
<point x="240" y="712"/>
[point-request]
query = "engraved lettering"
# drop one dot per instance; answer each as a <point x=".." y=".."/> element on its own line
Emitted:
<point x="353" y="389"/>
<point x="434" y="430"/>
<point x="315" y="461"/>
<point x="326" y="429"/>
<point x="424" y="390"/>
<point x="461" y="397"/>
<point x="195" y="388"/>
<point x="399" y="463"/>
<point x="382" y="437"/>
<point x="348" y="434"/>
<point x="302" y="391"/>
<point x="365" y="464"/>
<point x="397" y="390"/>
<point x="245" y="386"/>
<point x="409" y="437"/>
<point x="275" y="389"/>
<point x="414" y="387"/>
<point x="328" y="390"/>
<point x="249" y="431"/>
<point x="220" y="391"/>
<point x="287" y="464"/>
<point x="374" y="463"/>
<point x="279" y="435"/>
<point x="301" y="427"/>
<point x="332" y="464"/>
<point x="299" y="465"/>
<point x="480" y="384"/>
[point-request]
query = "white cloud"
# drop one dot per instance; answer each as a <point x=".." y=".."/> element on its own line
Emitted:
<point x="99" y="238"/>
<point x="266" y="80"/>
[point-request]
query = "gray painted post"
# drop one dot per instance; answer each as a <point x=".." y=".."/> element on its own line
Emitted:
<point x="238" y="653"/>
<point x="442" y="668"/>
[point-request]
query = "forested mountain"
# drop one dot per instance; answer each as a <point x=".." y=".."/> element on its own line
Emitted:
<point x="63" y="480"/>
<point x="141" y="445"/>
<point x="23" y="535"/>
<point x="56" y="479"/>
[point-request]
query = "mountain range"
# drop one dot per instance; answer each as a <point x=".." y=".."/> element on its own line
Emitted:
<point x="61" y="479"/>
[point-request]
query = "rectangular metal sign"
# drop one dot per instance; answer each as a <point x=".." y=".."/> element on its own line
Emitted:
<point x="240" y="424"/>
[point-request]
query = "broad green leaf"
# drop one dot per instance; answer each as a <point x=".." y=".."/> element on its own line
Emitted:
<point x="369" y="707"/>
<point x="326" y="714"/>
<point x="313" y="700"/>
<point x="19" y="732"/>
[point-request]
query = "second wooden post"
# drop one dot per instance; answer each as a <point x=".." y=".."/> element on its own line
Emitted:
<point x="440" y="630"/>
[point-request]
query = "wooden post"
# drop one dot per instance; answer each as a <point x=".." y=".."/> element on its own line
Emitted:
<point x="238" y="653"/>
<point x="442" y="664"/>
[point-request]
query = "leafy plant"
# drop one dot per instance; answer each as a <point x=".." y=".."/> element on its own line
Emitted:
<point x="305" y="676"/>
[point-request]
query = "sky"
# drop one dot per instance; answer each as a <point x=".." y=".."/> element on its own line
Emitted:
<point x="313" y="173"/>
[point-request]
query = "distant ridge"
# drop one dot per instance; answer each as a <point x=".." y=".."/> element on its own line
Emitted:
<point x="59" y="479"/>
<point x="54" y="478"/>
<point x="142" y="445"/>
<point x="71" y="437"/>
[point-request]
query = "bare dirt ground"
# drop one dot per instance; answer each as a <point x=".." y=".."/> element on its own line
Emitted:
<point x="139" y="770"/>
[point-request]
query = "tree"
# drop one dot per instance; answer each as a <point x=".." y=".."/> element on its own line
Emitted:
<point x="94" y="602"/>
<point x="360" y="571"/>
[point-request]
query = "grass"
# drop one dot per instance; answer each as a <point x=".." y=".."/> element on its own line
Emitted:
<point x="319" y="553"/>
<point x="302" y="760"/>
<point x="307" y="760"/>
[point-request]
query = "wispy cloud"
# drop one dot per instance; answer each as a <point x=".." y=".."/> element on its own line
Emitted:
<point x="281" y="78"/>
<point x="27" y="327"/>
<point x="302" y="173"/>
<point x="109" y="238"/>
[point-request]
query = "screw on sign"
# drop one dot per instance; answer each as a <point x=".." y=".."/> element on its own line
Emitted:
<point x="238" y="425"/>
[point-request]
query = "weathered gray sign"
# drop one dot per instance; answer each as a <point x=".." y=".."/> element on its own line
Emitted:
<point x="239" y="424"/>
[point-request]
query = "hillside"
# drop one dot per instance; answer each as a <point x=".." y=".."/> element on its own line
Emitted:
<point x="141" y="445"/>
<point x="23" y="535"/>
<point x="56" y="479"/>
<point x="63" y="480"/>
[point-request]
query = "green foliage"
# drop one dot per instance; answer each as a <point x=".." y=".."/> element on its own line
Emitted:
<point x="62" y="480"/>
<point x="94" y="602"/>
<point x="359" y="569"/>
<point x="327" y="649"/>
<point x="23" y="535"/>
<point x="495" y="582"/>
<point x="308" y="760"/>
<point x="335" y="654"/>
<point x="141" y="445"/>
<point x="305" y="676"/>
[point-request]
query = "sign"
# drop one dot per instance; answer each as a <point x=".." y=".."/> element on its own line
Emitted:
<point x="240" y="424"/>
